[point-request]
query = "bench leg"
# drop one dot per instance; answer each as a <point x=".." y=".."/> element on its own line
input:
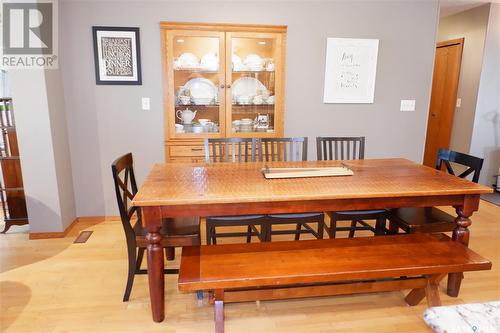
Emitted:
<point x="417" y="295"/>
<point x="219" y="310"/>
<point x="432" y="293"/>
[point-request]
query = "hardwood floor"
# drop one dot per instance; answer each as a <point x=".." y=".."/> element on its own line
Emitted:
<point x="57" y="286"/>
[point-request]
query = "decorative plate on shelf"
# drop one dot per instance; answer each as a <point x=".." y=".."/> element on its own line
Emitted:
<point x="247" y="86"/>
<point x="210" y="61"/>
<point x="187" y="60"/>
<point x="253" y="60"/>
<point x="237" y="63"/>
<point x="201" y="88"/>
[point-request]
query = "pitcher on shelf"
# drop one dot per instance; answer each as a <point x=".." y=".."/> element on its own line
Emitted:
<point x="186" y="116"/>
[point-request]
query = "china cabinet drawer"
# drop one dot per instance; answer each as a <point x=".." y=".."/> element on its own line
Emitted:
<point x="187" y="159"/>
<point x="177" y="151"/>
<point x="194" y="153"/>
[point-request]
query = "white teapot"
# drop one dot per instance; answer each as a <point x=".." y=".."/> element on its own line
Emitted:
<point x="186" y="116"/>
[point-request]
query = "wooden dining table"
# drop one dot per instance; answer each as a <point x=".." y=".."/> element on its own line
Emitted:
<point x="221" y="189"/>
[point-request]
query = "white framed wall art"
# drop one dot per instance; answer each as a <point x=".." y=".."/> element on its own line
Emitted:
<point x="351" y="67"/>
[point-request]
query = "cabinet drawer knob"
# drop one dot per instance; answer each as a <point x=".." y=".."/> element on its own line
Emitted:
<point x="222" y="86"/>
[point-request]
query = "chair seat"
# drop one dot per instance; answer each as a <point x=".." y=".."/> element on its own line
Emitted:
<point x="295" y="216"/>
<point x="422" y="219"/>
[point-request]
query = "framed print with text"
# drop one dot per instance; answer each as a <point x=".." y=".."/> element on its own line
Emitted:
<point x="117" y="55"/>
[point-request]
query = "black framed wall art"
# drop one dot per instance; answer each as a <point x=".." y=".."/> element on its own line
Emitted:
<point x="117" y="55"/>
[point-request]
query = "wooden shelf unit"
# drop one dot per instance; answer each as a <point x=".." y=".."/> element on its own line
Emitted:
<point x="11" y="191"/>
<point x="267" y="41"/>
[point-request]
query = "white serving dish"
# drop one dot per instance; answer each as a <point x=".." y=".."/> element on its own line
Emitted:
<point x="194" y="128"/>
<point x="210" y="61"/>
<point x="184" y="100"/>
<point x="247" y="86"/>
<point x="187" y="60"/>
<point x="244" y="99"/>
<point x="179" y="128"/>
<point x="253" y="60"/>
<point x="202" y="100"/>
<point x="201" y="88"/>
<point x="236" y="60"/>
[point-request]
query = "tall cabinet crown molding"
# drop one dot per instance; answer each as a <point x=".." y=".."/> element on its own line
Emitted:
<point x="252" y="56"/>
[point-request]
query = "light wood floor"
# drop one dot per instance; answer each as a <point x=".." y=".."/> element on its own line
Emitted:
<point x="57" y="286"/>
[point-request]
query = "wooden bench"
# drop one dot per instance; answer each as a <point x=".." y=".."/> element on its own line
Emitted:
<point x="280" y="270"/>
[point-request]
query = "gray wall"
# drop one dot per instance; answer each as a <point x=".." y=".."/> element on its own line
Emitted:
<point x="486" y="133"/>
<point x="42" y="138"/>
<point x="106" y="121"/>
<point x="41" y="128"/>
<point x="471" y="25"/>
<point x="60" y="144"/>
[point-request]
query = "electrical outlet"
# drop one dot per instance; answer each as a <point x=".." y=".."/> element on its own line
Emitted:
<point x="459" y="102"/>
<point x="407" y="105"/>
<point x="146" y="103"/>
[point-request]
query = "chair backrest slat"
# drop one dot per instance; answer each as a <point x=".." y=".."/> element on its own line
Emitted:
<point x="473" y="164"/>
<point x="330" y="147"/>
<point x="272" y="151"/>
<point x="230" y="150"/>
<point x="125" y="190"/>
<point x="340" y="148"/>
<point x="282" y="149"/>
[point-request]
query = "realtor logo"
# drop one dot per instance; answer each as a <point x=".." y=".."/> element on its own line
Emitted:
<point x="29" y="38"/>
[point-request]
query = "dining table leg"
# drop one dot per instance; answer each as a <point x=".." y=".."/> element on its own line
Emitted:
<point x="152" y="222"/>
<point x="461" y="234"/>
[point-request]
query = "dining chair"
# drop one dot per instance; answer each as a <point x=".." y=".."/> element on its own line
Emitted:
<point x="235" y="150"/>
<point x="349" y="148"/>
<point x="432" y="219"/>
<point x="176" y="232"/>
<point x="289" y="149"/>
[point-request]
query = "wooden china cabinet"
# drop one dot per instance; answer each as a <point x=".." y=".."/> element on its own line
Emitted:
<point x="220" y="81"/>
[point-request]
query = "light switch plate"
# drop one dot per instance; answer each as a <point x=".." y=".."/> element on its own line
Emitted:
<point x="459" y="102"/>
<point x="146" y="103"/>
<point x="407" y="105"/>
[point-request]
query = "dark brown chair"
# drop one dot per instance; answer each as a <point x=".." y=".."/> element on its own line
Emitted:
<point x="432" y="219"/>
<point x="176" y="232"/>
<point x="233" y="150"/>
<point x="290" y="149"/>
<point x="349" y="148"/>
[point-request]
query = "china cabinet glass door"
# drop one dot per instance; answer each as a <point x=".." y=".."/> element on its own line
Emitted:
<point x="195" y="62"/>
<point x="254" y="79"/>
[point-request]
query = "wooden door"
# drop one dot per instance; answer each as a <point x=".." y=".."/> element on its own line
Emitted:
<point x="443" y="98"/>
